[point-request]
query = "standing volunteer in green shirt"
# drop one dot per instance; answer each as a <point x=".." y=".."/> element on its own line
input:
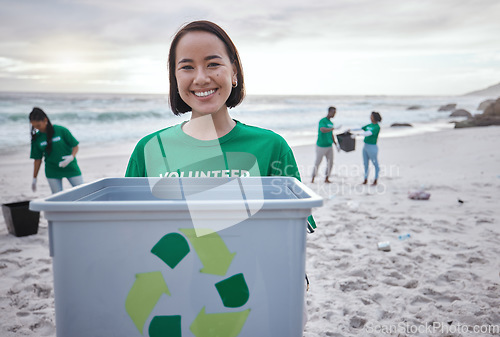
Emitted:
<point x="206" y="78"/>
<point x="370" y="150"/>
<point x="58" y="146"/>
<point x="324" y="144"/>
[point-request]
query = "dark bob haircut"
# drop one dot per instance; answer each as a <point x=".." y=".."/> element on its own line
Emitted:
<point x="177" y="105"/>
<point x="376" y="116"/>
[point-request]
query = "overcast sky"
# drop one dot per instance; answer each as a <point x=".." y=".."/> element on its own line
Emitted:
<point x="373" y="47"/>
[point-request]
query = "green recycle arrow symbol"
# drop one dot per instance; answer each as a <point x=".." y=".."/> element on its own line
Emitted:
<point x="171" y="248"/>
<point x="142" y="298"/>
<point x="216" y="259"/>
<point x="228" y="324"/>
<point x="162" y="326"/>
<point x="211" y="250"/>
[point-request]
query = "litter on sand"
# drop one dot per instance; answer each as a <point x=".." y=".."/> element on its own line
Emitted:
<point x="419" y="195"/>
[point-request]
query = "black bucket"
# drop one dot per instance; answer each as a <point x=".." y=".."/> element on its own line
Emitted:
<point x="19" y="219"/>
<point x="346" y="141"/>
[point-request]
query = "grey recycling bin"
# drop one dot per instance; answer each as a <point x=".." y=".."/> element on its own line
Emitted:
<point x="179" y="256"/>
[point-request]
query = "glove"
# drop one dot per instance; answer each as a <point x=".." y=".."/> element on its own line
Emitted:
<point x="67" y="159"/>
<point x="33" y="185"/>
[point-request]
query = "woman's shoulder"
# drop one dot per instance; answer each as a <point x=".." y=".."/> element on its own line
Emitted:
<point x="60" y="130"/>
<point x="265" y="137"/>
<point x="59" y="127"/>
<point x="144" y="140"/>
<point x="257" y="131"/>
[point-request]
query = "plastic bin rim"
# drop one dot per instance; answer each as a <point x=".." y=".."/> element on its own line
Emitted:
<point x="46" y="204"/>
<point x="133" y="206"/>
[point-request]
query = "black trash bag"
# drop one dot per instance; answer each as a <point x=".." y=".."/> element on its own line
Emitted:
<point x="347" y="141"/>
<point x="19" y="219"/>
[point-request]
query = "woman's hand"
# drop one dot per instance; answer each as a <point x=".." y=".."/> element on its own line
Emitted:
<point x="67" y="159"/>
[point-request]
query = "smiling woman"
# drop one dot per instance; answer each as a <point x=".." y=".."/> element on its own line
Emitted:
<point x="206" y="78"/>
<point x="225" y="48"/>
<point x="205" y="74"/>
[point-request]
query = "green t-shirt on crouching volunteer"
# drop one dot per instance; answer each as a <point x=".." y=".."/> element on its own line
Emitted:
<point x="375" y="129"/>
<point x="63" y="143"/>
<point x="244" y="151"/>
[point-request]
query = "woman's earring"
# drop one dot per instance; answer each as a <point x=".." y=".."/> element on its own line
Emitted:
<point x="235" y="84"/>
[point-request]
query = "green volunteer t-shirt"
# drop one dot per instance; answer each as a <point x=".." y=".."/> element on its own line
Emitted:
<point x="63" y="143"/>
<point x="244" y="151"/>
<point x="375" y="129"/>
<point x="325" y="139"/>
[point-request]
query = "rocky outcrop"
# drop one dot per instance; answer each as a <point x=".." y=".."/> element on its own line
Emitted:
<point x="414" y="107"/>
<point x="448" y="107"/>
<point x="461" y="113"/>
<point x="490" y="116"/>
<point x="493" y="109"/>
<point x="396" y="125"/>
<point x="484" y="104"/>
<point x="479" y="121"/>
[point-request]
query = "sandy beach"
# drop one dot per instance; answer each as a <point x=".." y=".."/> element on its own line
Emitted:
<point x="442" y="280"/>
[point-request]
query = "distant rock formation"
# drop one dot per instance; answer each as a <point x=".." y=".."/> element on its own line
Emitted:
<point x="448" y="107"/>
<point x="484" y="104"/>
<point x="414" y="107"/>
<point x="461" y="113"/>
<point x="396" y="125"/>
<point x="492" y="91"/>
<point x="493" y="109"/>
<point x="490" y="116"/>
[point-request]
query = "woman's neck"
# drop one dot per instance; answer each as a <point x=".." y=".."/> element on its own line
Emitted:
<point x="209" y="127"/>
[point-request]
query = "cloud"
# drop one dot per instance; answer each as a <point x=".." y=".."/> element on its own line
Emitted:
<point x="378" y="24"/>
<point x="331" y="23"/>
<point x="107" y="37"/>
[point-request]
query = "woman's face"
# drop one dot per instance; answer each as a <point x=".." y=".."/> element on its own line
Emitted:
<point x="40" y="125"/>
<point x="204" y="73"/>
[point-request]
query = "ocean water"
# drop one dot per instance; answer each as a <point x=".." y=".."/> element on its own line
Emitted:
<point x="100" y="118"/>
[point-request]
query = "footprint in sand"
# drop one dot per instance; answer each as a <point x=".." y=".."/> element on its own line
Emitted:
<point x="354" y="285"/>
<point x="357" y="322"/>
<point x="439" y="297"/>
<point x="475" y="259"/>
<point x="42" y="290"/>
<point x="359" y="273"/>
<point x="14" y="328"/>
<point x="11" y="251"/>
<point x="343" y="265"/>
<point x="8" y="262"/>
<point x="448" y="299"/>
<point x="22" y="313"/>
<point x="385" y="315"/>
<point x="412" y="284"/>
<point x="396" y="275"/>
<point x="472" y="258"/>
<point x="390" y="282"/>
<point x="484" y="220"/>
<point x="420" y="299"/>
